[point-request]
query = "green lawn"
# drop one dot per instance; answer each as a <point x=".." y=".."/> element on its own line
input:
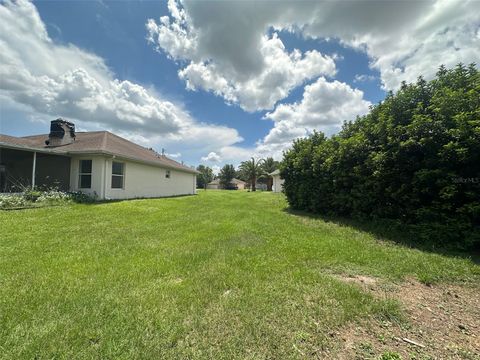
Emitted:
<point x="217" y="275"/>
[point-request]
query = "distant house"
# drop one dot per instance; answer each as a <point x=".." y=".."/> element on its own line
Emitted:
<point x="215" y="184"/>
<point x="97" y="163"/>
<point x="259" y="186"/>
<point x="277" y="181"/>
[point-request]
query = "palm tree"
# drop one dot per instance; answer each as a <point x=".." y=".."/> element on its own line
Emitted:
<point x="252" y="170"/>
<point x="269" y="165"/>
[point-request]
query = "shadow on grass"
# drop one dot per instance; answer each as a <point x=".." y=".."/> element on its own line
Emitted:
<point x="96" y="202"/>
<point x="111" y="201"/>
<point x="391" y="231"/>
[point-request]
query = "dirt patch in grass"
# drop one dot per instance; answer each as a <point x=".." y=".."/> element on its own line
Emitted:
<point x="442" y="322"/>
<point x="367" y="281"/>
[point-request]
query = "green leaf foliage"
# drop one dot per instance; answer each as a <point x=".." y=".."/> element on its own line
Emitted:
<point x="414" y="158"/>
<point x="205" y="176"/>
<point x="227" y="173"/>
<point x="252" y="169"/>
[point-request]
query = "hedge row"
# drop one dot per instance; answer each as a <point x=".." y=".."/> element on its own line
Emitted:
<point x="414" y="158"/>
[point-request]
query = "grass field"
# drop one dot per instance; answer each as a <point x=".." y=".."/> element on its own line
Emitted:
<point x="217" y="275"/>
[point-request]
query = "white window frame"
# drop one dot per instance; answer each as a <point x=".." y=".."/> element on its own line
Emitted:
<point x="168" y="174"/>
<point x="80" y="173"/>
<point x="118" y="175"/>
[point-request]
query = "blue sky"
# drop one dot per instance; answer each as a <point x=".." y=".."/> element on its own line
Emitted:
<point x="116" y="32"/>
<point x="239" y="106"/>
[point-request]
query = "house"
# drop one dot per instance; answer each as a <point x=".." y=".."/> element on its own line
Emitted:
<point x="259" y="186"/>
<point x="215" y="184"/>
<point x="277" y="181"/>
<point x="98" y="163"/>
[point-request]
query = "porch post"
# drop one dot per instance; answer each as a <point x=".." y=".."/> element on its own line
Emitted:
<point x="33" y="168"/>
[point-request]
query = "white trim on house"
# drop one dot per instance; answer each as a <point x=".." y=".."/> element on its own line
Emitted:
<point x="34" y="166"/>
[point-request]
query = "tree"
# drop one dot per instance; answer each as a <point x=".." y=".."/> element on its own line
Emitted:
<point x="205" y="176"/>
<point x="414" y="158"/>
<point x="252" y="170"/>
<point x="268" y="166"/>
<point x="227" y="173"/>
<point x="240" y="175"/>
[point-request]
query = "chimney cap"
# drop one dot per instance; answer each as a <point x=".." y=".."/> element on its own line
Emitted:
<point x="62" y="121"/>
<point x="58" y="129"/>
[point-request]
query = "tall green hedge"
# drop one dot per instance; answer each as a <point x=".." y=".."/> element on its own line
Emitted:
<point x="414" y="158"/>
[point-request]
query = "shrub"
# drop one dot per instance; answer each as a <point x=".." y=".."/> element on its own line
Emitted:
<point x="414" y="158"/>
<point x="38" y="198"/>
<point x="53" y="197"/>
<point x="31" y="194"/>
<point x="11" y="201"/>
<point x="81" y="198"/>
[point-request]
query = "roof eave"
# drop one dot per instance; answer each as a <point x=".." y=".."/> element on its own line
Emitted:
<point x="94" y="152"/>
<point x="29" y="148"/>
<point x="129" y="158"/>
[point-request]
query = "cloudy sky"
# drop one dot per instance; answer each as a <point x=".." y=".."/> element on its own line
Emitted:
<point x="217" y="82"/>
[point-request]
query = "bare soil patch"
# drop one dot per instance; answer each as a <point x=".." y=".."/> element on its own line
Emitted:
<point x="443" y="322"/>
<point x="368" y="281"/>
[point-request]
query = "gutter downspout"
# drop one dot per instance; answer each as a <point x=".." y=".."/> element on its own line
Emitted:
<point x="34" y="168"/>
<point x="105" y="179"/>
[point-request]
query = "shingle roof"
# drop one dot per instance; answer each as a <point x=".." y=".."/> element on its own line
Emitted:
<point x="97" y="142"/>
<point x="16" y="141"/>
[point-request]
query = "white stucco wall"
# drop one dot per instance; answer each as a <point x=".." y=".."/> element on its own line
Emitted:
<point x="98" y="175"/>
<point x="140" y="180"/>
<point x="241" y="186"/>
<point x="277" y="183"/>
<point x="213" y="187"/>
<point x="143" y="180"/>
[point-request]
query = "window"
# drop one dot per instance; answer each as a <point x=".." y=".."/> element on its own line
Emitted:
<point x="167" y="174"/>
<point x="118" y="174"/>
<point x="85" y="174"/>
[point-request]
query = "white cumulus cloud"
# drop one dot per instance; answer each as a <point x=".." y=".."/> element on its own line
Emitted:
<point x="324" y="106"/>
<point x="363" y="78"/>
<point x="234" y="50"/>
<point x="229" y="48"/>
<point x="212" y="157"/>
<point x="53" y="80"/>
<point x="252" y="69"/>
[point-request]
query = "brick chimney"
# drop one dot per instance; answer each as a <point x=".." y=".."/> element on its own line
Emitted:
<point x="62" y="132"/>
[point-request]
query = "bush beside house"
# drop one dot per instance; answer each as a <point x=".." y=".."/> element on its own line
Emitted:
<point x="39" y="198"/>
